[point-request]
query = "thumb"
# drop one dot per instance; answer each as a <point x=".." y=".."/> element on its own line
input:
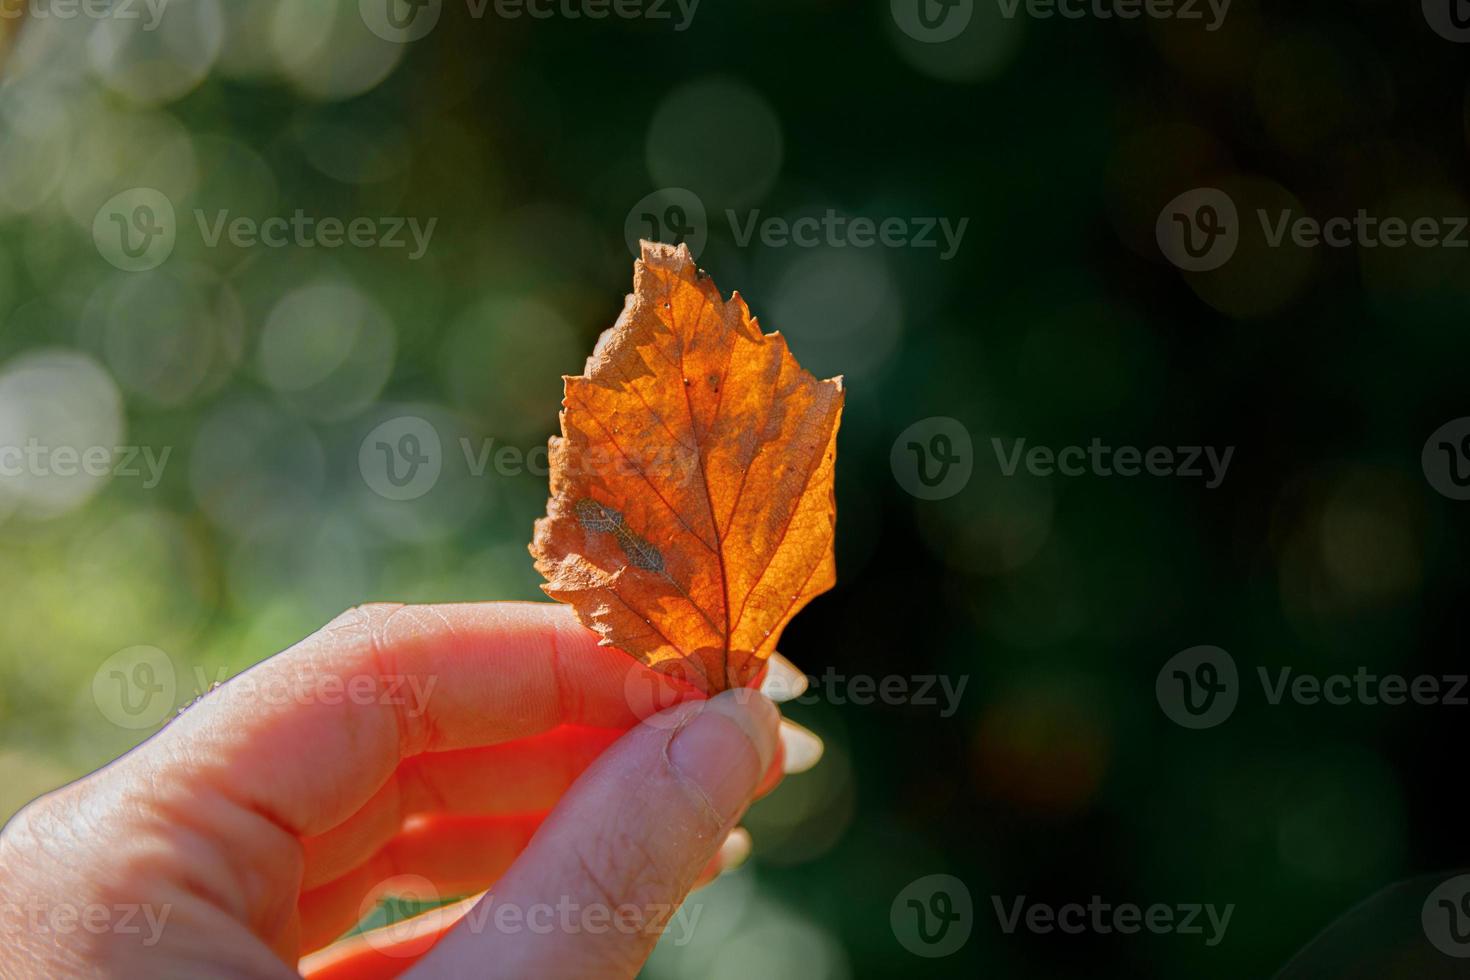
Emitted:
<point x="596" y="886"/>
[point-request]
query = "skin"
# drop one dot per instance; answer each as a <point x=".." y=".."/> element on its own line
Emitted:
<point x="270" y="815"/>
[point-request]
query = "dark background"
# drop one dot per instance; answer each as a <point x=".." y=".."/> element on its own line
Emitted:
<point x="1059" y="320"/>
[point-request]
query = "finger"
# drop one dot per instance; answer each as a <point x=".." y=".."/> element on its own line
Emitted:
<point x="426" y="846"/>
<point x="380" y="954"/>
<point x="624" y="846"/>
<point x="528" y="775"/>
<point x="385" y="952"/>
<point x="445" y="856"/>
<point x="308" y="736"/>
<point x="342" y="851"/>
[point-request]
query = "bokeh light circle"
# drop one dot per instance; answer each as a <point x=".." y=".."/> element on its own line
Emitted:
<point x="718" y="137"/>
<point x="61" y="422"/>
<point x="327" y="348"/>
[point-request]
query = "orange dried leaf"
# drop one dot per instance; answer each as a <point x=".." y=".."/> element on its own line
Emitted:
<point x="691" y="511"/>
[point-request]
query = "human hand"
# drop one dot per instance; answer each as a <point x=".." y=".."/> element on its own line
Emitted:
<point x="463" y="745"/>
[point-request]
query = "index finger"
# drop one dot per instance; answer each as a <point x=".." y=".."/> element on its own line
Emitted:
<point x="309" y="735"/>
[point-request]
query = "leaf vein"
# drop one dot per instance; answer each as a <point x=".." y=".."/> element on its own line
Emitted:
<point x="781" y="539"/>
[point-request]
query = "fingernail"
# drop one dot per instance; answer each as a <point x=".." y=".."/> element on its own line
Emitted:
<point x="735" y="850"/>
<point x="708" y="749"/>
<point x="783" y="682"/>
<point x="801" y="747"/>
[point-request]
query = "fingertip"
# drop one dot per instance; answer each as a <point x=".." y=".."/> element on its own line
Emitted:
<point x="801" y="748"/>
<point x="736" y="850"/>
<point x="708" y="748"/>
<point x="782" y="681"/>
<point x="732" y="854"/>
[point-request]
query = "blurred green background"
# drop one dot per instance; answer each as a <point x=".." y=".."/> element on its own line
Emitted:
<point x="533" y="144"/>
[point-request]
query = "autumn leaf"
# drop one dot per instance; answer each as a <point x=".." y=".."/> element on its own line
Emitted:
<point x="691" y="512"/>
